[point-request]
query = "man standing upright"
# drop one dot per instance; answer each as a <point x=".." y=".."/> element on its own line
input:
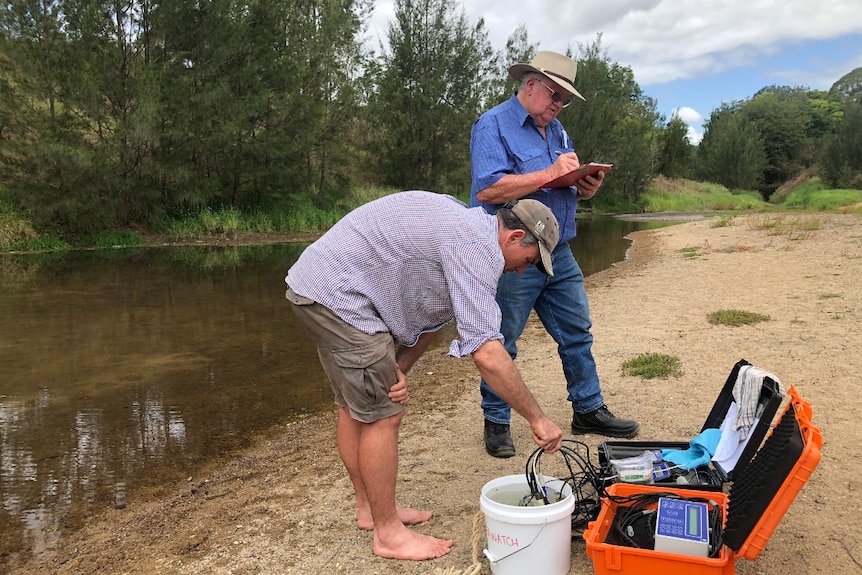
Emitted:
<point x="515" y="149"/>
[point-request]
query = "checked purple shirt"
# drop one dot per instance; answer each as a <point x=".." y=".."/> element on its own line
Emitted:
<point x="406" y="264"/>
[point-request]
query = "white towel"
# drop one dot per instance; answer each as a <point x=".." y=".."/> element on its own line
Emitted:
<point x="746" y="392"/>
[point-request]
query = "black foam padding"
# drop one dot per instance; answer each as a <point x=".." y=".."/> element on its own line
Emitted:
<point x="757" y="485"/>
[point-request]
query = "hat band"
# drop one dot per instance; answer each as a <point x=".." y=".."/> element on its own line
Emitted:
<point x="554" y="74"/>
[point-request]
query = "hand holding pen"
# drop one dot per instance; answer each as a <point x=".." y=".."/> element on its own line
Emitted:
<point x="587" y="186"/>
<point x="566" y="162"/>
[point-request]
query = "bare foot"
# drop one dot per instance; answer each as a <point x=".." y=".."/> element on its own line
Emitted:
<point x="407" y="544"/>
<point x="407" y="515"/>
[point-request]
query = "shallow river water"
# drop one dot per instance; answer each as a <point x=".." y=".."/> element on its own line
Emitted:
<point x="124" y="369"/>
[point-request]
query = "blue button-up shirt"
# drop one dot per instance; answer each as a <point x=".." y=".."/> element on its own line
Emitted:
<point x="506" y="140"/>
<point x="406" y="264"/>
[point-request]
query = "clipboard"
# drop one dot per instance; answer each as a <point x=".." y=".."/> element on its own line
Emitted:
<point x="577" y="175"/>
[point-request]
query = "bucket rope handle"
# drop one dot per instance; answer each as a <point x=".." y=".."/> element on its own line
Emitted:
<point x="478" y="540"/>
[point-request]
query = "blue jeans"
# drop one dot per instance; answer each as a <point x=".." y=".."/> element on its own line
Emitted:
<point x="561" y="304"/>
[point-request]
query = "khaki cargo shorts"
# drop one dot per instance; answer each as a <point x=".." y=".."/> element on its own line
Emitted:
<point x="360" y="367"/>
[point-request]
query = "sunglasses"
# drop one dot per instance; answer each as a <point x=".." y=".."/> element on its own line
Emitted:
<point x="557" y="97"/>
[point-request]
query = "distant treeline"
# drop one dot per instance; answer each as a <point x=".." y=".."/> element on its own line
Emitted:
<point x="117" y="114"/>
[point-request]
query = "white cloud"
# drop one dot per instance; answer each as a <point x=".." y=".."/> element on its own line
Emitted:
<point x="675" y="39"/>
<point x="664" y="40"/>
<point x="693" y="120"/>
<point x="661" y="40"/>
<point x="688" y="115"/>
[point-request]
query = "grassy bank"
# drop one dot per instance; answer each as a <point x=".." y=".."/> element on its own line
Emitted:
<point x="664" y="195"/>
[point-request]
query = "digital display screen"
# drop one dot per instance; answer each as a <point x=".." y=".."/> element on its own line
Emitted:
<point x="693" y="523"/>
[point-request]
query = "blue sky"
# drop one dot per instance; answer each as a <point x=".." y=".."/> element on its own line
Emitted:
<point x="690" y="55"/>
<point x="815" y="64"/>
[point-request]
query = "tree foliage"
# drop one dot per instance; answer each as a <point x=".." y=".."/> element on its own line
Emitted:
<point x="777" y="116"/>
<point x="518" y="49"/>
<point x="849" y="86"/>
<point x="731" y="152"/>
<point x="676" y="154"/>
<point x="842" y="152"/>
<point x="781" y="131"/>
<point x="616" y="124"/>
<point x="120" y="112"/>
<point x="114" y="114"/>
<point x="429" y="95"/>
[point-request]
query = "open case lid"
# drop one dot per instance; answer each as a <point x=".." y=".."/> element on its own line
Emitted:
<point x="769" y="401"/>
<point x="722" y="469"/>
<point x="763" y="490"/>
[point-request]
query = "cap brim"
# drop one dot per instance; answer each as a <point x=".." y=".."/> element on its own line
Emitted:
<point x="546" y="263"/>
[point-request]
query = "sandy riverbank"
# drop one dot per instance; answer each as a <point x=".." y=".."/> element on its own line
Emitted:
<point x="285" y="506"/>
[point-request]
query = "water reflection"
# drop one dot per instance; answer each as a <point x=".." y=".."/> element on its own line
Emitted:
<point x="601" y="242"/>
<point x="123" y="369"/>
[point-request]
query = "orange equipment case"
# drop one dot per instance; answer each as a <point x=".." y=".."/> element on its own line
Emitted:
<point x="757" y="501"/>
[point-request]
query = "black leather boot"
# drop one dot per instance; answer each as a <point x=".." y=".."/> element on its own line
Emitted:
<point x="603" y="422"/>
<point x="498" y="440"/>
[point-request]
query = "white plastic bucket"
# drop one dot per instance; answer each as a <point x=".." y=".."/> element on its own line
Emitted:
<point x="533" y="539"/>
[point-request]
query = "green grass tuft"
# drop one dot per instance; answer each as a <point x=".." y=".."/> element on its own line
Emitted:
<point x="39" y="244"/>
<point x="653" y="365"/>
<point x="813" y="195"/>
<point x="735" y="317"/>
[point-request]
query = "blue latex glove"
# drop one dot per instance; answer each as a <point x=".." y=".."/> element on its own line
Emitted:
<point x="700" y="453"/>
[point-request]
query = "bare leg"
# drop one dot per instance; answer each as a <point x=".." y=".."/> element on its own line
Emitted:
<point x="370" y="454"/>
<point x="348" y="434"/>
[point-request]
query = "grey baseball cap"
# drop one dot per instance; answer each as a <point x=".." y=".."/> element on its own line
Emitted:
<point x="539" y="221"/>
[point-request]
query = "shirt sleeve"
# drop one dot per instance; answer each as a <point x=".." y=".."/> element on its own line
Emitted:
<point x="472" y="272"/>
<point x="489" y="158"/>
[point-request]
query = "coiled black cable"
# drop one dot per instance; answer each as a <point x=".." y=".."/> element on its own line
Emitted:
<point x="588" y="481"/>
<point x="583" y="477"/>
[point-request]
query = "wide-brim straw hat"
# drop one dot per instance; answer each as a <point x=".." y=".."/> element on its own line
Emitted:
<point x="556" y="67"/>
